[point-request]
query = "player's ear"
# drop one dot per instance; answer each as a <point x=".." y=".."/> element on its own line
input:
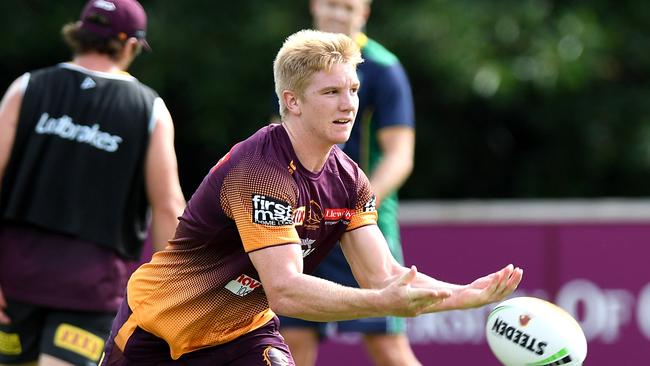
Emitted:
<point x="291" y="101"/>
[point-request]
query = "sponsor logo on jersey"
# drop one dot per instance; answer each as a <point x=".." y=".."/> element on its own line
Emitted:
<point x="271" y="211"/>
<point x="335" y="215"/>
<point x="312" y="216"/>
<point x="291" y="167"/>
<point x="243" y="285"/>
<point x="10" y="344"/>
<point x="65" y="128"/>
<point x="306" y="246"/>
<point x="298" y="216"/>
<point x="371" y="205"/>
<point x="88" y="83"/>
<point x="79" y="341"/>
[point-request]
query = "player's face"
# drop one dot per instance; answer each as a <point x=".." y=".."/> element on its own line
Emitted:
<point x="340" y="16"/>
<point x="330" y="102"/>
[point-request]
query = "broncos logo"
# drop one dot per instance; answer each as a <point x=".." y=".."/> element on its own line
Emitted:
<point x="275" y="357"/>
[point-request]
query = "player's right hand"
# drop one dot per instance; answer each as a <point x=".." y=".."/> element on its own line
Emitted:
<point x="407" y="301"/>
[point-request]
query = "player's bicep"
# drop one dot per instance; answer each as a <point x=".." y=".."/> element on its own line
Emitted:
<point x="161" y="177"/>
<point x="161" y="166"/>
<point x="365" y="208"/>
<point x="277" y="264"/>
<point x="399" y="140"/>
<point x="9" y="113"/>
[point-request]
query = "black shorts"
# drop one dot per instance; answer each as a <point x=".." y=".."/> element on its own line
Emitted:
<point x="74" y="336"/>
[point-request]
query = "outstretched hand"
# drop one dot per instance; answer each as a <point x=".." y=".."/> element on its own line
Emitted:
<point x="407" y="301"/>
<point x="488" y="289"/>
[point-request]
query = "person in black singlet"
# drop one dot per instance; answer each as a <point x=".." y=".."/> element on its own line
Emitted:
<point x="87" y="166"/>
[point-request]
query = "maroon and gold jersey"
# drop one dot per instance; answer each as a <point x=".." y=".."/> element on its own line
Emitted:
<point x="203" y="290"/>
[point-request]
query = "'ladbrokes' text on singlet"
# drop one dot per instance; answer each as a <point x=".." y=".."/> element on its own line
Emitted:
<point x="77" y="161"/>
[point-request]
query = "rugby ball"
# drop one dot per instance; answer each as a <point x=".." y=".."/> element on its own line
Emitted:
<point x="527" y="331"/>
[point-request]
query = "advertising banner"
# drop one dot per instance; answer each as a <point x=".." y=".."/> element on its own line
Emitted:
<point x="598" y="270"/>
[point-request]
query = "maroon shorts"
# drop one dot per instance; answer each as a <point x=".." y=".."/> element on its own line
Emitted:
<point x="261" y="347"/>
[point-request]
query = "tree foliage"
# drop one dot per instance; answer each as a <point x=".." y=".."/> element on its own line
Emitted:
<point x="514" y="99"/>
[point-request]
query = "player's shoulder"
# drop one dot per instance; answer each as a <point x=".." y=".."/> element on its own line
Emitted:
<point x="145" y="88"/>
<point x="121" y="79"/>
<point x="258" y="165"/>
<point x="374" y="52"/>
<point x="48" y="71"/>
<point x="45" y="79"/>
<point x="264" y="150"/>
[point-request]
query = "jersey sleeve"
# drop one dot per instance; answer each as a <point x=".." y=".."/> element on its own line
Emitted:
<point x="394" y="100"/>
<point x="260" y="199"/>
<point x="365" y="211"/>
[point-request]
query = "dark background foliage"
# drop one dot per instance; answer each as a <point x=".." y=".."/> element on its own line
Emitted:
<point x="514" y="98"/>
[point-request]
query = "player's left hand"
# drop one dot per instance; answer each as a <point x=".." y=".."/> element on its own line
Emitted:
<point x="493" y="287"/>
<point x="485" y="290"/>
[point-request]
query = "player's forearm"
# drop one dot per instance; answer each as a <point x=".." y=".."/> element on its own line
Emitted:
<point x="312" y="298"/>
<point x="9" y="111"/>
